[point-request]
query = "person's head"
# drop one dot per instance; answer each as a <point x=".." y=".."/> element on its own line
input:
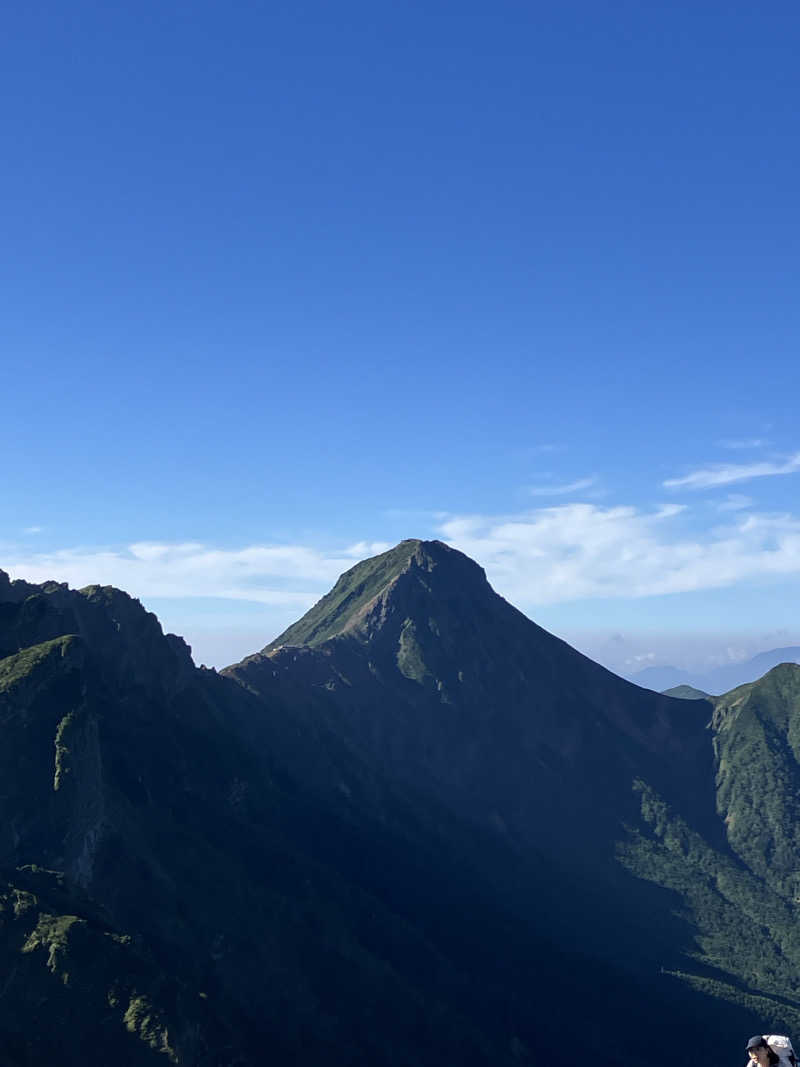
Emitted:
<point x="760" y="1052"/>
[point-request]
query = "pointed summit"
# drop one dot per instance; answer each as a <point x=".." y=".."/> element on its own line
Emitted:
<point x="424" y="613"/>
<point x="348" y="606"/>
<point x="422" y="666"/>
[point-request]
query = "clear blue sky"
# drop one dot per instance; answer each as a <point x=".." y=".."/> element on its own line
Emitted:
<point x="282" y="283"/>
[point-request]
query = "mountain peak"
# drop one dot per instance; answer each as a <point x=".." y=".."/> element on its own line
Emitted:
<point x="339" y="610"/>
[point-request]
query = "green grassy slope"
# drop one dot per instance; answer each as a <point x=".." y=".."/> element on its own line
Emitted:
<point x="742" y="898"/>
<point x="351" y="593"/>
<point x="75" y="990"/>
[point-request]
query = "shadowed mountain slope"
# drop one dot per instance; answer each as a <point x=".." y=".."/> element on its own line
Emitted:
<point x="441" y="682"/>
<point x="192" y="874"/>
<point x="219" y="903"/>
<point x="448" y="689"/>
<point x="430" y="833"/>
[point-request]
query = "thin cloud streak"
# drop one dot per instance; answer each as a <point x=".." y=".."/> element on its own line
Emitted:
<point x="288" y="575"/>
<point x="561" y="490"/>
<point x="727" y="474"/>
<point x="744" y="443"/>
<point x="735" y="502"/>
<point x="542" y="449"/>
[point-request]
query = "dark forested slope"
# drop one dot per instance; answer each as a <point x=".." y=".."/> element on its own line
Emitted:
<point x="448" y="688"/>
<point x="439" y="682"/>
<point x="417" y="829"/>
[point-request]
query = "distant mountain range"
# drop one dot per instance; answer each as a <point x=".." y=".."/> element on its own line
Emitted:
<point x="720" y="679"/>
<point x="415" y="829"/>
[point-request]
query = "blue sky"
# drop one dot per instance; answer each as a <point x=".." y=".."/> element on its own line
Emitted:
<point x="286" y="283"/>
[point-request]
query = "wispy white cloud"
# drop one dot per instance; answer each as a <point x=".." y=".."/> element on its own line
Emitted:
<point x="290" y="575"/>
<point x="735" y="502"/>
<point x="582" y="551"/>
<point x="545" y="448"/>
<point x="545" y="555"/>
<point x="33" y="529"/>
<point x="414" y="515"/>
<point x="744" y="442"/>
<point x="364" y="549"/>
<point x="561" y="490"/>
<point x="727" y="474"/>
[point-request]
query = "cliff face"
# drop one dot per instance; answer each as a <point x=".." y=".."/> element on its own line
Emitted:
<point x="83" y="680"/>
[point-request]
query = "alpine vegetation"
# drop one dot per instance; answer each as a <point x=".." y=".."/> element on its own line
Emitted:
<point x="416" y="828"/>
